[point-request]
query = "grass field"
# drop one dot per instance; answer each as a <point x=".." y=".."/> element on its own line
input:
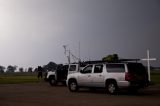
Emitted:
<point x="13" y="78"/>
<point x="155" y="76"/>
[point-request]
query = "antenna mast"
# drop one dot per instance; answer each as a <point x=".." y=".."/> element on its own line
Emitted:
<point x="69" y="53"/>
<point x="79" y="53"/>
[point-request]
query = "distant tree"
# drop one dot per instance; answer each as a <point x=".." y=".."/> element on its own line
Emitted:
<point x="30" y="69"/>
<point x="2" y="68"/>
<point x="111" y="58"/>
<point x="11" y="69"/>
<point x="50" y="66"/>
<point x="21" y="69"/>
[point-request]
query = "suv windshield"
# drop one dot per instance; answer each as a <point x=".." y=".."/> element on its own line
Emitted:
<point x="137" y="68"/>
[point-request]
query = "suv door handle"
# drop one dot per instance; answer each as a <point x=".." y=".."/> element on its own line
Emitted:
<point x="89" y="75"/>
<point x="100" y="75"/>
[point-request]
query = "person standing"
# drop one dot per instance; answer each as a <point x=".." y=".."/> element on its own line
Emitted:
<point x="40" y="72"/>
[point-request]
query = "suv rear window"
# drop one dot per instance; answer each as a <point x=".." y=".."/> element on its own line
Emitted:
<point x="115" y="67"/>
<point x="136" y="68"/>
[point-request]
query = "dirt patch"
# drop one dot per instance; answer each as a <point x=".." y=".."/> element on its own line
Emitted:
<point x="42" y="94"/>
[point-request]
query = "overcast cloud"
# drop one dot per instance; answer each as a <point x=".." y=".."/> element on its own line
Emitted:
<point x="32" y="32"/>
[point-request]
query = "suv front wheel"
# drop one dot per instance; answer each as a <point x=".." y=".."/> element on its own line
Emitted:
<point x="111" y="87"/>
<point x="73" y="87"/>
<point x="52" y="81"/>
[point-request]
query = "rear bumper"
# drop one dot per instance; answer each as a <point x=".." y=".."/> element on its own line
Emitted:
<point x="139" y="84"/>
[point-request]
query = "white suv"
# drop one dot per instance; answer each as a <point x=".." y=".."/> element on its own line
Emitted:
<point x="111" y="76"/>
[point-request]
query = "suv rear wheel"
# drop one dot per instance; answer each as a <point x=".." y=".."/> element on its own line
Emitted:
<point x="111" y="87"/>
<point x="73" y="87"/>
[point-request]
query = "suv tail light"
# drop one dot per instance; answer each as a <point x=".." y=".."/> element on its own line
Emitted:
<point x="128" y="76"/>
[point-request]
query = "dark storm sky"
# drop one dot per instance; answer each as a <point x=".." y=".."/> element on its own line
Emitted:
<point x="32" y="32"/>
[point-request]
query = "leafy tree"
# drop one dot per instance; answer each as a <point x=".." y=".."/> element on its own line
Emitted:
<point x="2" y="68"/>
<point x="21" y="69"/>
<point x="111" y="58"/>
<point x="11" y="69"/>
<point x="30" y="69"/>
<point x="50" y="66"/>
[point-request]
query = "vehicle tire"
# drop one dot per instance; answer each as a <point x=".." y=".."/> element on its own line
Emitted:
<point x="111" y="87"/>
<point x="52" y="81"/>
<point x="73" y="87"/>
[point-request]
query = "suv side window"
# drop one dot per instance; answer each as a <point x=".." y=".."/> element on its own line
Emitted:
<point x="98" y="68"/>
<point x="87" y="69"/>
<point x="115" y="68"/>
<point x="72" y="68"/>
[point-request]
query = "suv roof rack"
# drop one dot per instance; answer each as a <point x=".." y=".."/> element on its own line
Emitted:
<point x="129" y="60"/>
<point x="117" y="61"/>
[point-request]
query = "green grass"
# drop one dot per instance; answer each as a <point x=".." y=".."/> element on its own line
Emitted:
<point x="155" y="76"/>
<point x="14" y="78"/>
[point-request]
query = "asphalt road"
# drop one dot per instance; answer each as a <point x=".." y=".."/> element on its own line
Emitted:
<point x="42" y="94"/>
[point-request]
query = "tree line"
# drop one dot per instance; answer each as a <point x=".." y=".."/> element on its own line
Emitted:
<point x="12" y="68"/>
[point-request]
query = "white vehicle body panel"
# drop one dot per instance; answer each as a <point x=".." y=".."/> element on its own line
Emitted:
<point x="98" y="79"/>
